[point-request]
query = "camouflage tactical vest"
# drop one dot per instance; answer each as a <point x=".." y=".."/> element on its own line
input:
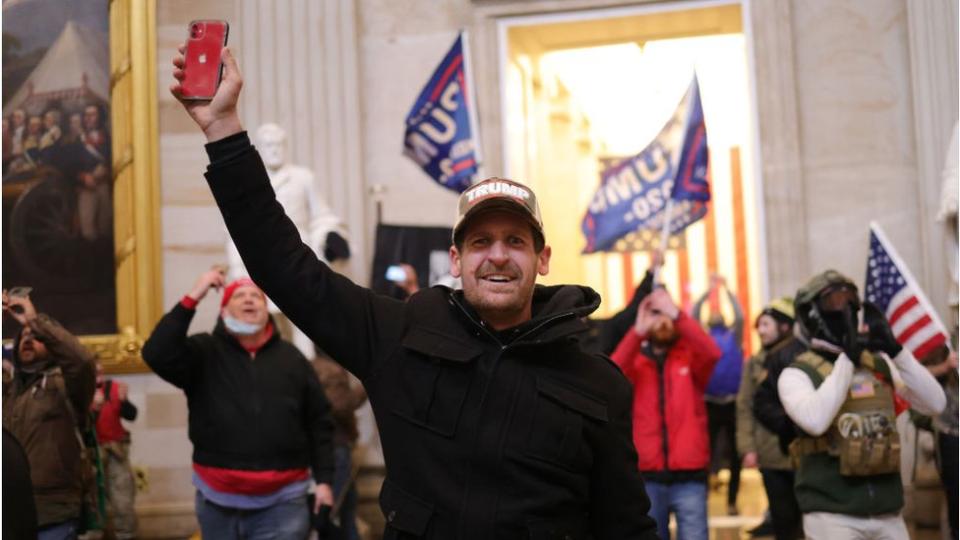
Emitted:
<point x="863" y="435"/>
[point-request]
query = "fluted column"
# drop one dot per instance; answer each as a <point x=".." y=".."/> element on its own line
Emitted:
<point x="300" y="71"/>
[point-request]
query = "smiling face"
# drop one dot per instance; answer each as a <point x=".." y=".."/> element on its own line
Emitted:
<point x="248" y="304"/>
<point x="498" y="264"/>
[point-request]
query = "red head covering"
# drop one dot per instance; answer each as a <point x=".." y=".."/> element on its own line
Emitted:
<point x="236" y="284"/>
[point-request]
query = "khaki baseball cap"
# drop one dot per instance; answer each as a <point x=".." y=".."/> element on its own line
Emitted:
<point x="498" y="194"/>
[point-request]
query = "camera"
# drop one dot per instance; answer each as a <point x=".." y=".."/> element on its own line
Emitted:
<point x="196" y="30"/>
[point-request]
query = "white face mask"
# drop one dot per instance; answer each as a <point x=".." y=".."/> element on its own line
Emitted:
<point x="240" y="328"/>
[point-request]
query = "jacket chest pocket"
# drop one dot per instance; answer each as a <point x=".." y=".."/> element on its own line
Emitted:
<point x="435" y="372"/>
<point x="559" y="416"/>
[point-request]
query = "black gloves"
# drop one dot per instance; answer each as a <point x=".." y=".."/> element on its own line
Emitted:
<point x="335" y="247"/>
<point x="852" y="345"/>
<point x="880" y="337"/>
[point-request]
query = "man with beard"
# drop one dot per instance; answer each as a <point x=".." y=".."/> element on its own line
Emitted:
<point x="44" y="407"/>
<point x="758" y="445"/>
<point x="494" y="422"/>
<point x="669" y="359"/>
<point x="258" y="422"/>
<point x="840" y="394"/>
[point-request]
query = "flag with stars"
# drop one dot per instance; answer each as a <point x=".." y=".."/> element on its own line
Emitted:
<point x="892" y="288"/>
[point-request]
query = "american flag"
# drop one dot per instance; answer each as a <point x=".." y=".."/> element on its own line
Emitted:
<point x="890" y="286"/>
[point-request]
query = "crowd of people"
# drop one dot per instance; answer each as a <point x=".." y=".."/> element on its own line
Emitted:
<point x="73" y="142"/>
<point x="499" y="412"/>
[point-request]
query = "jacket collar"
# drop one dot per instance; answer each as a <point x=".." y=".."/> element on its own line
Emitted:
<point x="557" y="313"/>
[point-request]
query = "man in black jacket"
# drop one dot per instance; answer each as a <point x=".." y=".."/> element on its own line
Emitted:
<point x="494" y="422"/>
<point x="259" y="420"/>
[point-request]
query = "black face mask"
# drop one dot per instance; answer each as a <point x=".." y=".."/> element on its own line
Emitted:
<point x="836" y="325"/>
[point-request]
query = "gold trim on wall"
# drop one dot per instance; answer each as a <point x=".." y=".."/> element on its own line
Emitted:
<point x="136" y="190"/>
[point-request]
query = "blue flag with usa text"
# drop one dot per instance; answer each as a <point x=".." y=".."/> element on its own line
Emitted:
<point x="633" y="193"/>
<point x="439" y="137"/>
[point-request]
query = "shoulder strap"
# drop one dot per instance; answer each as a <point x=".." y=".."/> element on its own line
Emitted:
<point x="107" y="389"/>
<point x="878" y="364"/>
<point x="814" y="365"/>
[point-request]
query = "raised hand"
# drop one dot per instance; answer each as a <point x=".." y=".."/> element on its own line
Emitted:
<point x="661" y="302"/>
<point x="880" y="334"/>
<point x="19" y="307"/>
<point x="852" y="345"/>
<point x="217" y="117"/>
<point x="214" y="278"/>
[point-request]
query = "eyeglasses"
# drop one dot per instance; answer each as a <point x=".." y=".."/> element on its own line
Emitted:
<point x="837" y="297"/>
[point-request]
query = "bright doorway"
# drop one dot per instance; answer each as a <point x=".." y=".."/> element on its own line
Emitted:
<point x="583" y="88"/>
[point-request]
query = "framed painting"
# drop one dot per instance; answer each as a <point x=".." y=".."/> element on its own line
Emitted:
<point x="80" y="171"/>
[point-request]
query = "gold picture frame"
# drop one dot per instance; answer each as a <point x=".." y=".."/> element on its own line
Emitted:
<point x="136" y="193"/>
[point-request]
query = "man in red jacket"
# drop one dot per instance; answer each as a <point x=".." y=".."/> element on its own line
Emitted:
<point x="669" y="360"/>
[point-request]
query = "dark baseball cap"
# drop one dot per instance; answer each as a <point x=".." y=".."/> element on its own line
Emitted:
<point x="498" y="194"/>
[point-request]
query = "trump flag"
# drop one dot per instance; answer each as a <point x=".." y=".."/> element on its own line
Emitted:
<point x="892" y="288"/>
<point x="439" y="134"/>
<point x="633" y="194"/>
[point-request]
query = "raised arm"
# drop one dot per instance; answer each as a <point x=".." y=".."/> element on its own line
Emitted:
<point x="74" y="360"/>
<point x="350" y="322"/>
<point x="737" y="326"/>
<point x="168" y="351"/>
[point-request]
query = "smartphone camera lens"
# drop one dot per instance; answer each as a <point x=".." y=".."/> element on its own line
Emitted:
<point x="196" y="31"/>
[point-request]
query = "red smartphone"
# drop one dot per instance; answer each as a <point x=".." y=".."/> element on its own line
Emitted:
<point x="202" y="64"/>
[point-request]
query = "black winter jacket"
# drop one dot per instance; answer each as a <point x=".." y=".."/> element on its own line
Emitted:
<point x="262" y="413"/>
<point x="496" y="435"/>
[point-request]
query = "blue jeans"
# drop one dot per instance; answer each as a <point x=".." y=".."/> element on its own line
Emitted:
<point x="341" y="475"/>
<point x="65" y="530"/>
<point x="289" y="520"/>
<point x="687" y="501"/>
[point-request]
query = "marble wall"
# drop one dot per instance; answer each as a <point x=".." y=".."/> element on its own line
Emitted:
<point x="842" y="140"/>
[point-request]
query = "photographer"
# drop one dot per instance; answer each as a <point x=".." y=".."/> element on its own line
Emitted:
<point x="44" y="407"/>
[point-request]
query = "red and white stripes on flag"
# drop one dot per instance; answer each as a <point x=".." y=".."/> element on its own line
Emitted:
<point x="893" y="289"/>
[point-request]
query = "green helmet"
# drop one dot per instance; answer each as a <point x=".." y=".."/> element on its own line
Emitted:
<point x="805" y="303"/>
<point x="812" y="288"/>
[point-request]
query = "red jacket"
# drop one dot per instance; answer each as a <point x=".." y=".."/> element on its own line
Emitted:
<point x="682" y="414"/>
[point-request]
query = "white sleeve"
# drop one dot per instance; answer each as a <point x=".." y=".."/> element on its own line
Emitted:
<point x="813" y="409"/>
<point x="917" y="385"/>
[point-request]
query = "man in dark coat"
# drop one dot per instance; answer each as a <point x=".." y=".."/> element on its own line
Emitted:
<point x="258" y="419"/>
<point x="494" y="422"/>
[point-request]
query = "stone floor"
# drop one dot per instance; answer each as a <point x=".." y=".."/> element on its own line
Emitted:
<point x="751" y="503"/>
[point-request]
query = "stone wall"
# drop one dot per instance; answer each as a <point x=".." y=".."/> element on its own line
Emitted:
<point x="842" y="140"/>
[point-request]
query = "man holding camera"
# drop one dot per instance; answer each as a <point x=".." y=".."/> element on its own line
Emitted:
<point x="840" y="393"/>
<point x="494" y="422"/>
<point x="45" y="404"/>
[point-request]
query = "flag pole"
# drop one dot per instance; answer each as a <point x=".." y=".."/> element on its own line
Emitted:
<point x="472" y="103"/>
<point x="905" y="270"/>
<point x="664" y="237"/>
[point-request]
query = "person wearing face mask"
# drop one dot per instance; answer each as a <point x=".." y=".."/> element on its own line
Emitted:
<point x="840" y="394"/>
<point x="299" y="194"/>
<point x="258" y="418"/>
<point x="669" y="360"/>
